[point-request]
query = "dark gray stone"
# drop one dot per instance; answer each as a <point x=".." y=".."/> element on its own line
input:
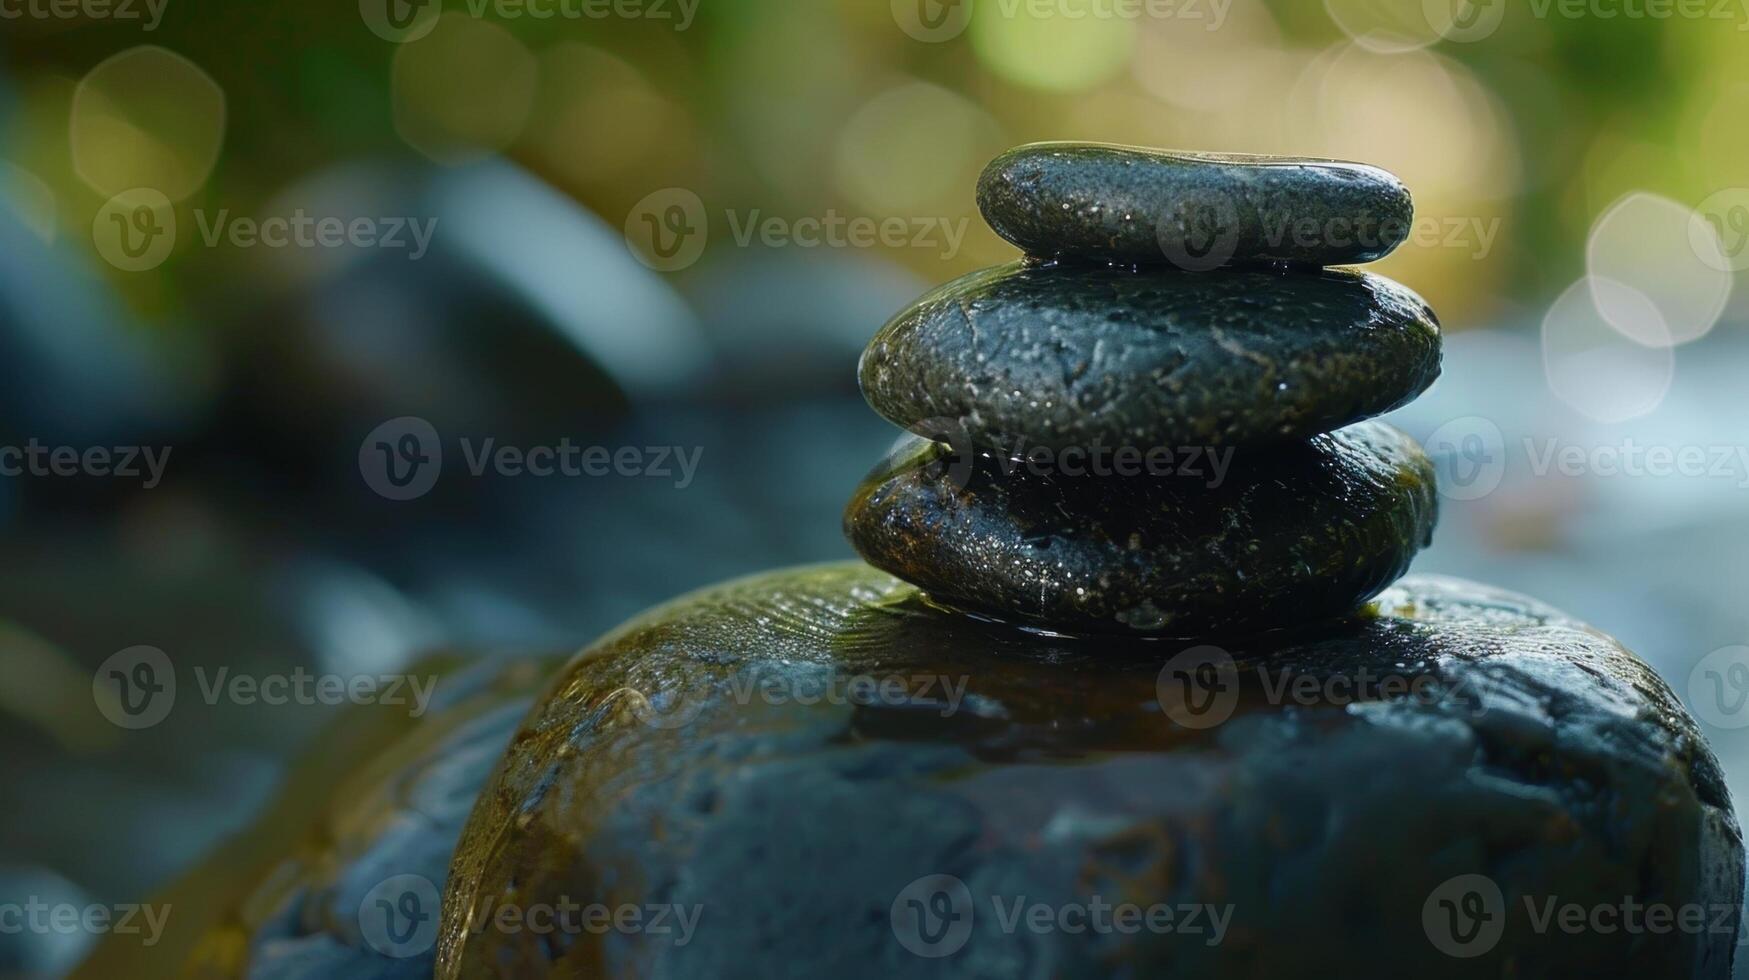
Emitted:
<point x="1061" y="356"/>
<point x="1273" y="536"/>
<point x="1455" y="730"/>
<point x="1195" y="210"/>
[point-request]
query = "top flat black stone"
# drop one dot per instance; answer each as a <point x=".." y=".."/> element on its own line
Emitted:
<point x="1197" y="211"/>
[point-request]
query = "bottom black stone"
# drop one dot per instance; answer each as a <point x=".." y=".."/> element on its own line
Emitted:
<point x="816" y="773"/>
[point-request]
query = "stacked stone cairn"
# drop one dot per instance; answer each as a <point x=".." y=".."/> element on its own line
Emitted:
<point x="1159" y="421"/>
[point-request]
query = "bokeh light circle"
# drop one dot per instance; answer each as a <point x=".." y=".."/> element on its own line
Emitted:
<point x="1645" y="242"/>
<point x="586" y="93"/>
<point x="1718" y="231"/>
<point x="913" y="150"/>
<point x="147" y="117"/>
<point x="1383" y="26"/>
<point x="463" y="92"/>
<point x="400" y="21"/>
<point x="1215" y="71"/>
<point x="1464" y="21"/>
<point x="933" y="21"/>
<point x="1594" y="367"/>
<point x="1068" y="46"/>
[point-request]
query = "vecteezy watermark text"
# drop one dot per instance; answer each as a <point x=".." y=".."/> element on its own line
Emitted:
<point x="144" y="463"/>
<point x="934" y="915"/>
<point x="1208" y="464"/>
<point x="679" y="12"/>
<point x="834" y="230"/>
<point x="1203" y="232"/>
<point x="935" y="21"/>
<point x="136" y="688"/>
<point x="403" y="458"/>
<point x="668" y="230"/>
<point x="136" y="230"/>
<point x="1472" y="233"/>
<point x="1200" y="688"/>
<point x="149" y="11"/>
<point x="1472" y="457"/>
<point x="1633" y="460"/>
<point x="399" y="917"/>
<point x="34" y="915"/>
<point x="402" y="21"/>
<point x="1732" y="10"/>
<point x="677" y="707"/>
<point x="302" y="230"/>
<point x="942" y="691"/>
<point x="1467" y="915"/>
<point x="568" y="917"/>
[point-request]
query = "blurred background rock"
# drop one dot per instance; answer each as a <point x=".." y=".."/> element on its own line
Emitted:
<point x="1561" y="166"/>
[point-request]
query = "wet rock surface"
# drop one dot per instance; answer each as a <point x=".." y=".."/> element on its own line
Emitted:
<point x="1262" y="537"/>
<point x="371" y="816"/>
<point x="1198" y="210"/>
<point x="677" y="764"/>
<point x="1066" y="356"/>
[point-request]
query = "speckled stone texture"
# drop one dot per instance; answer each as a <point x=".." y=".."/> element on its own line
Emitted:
<point x="1063" y="356"/>
<point x="1199" y="210"/>
<point x="1534" y="751"/>
<point x="1292" y="534"/>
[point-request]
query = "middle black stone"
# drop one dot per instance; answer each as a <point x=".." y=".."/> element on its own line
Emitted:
<point x="1064" y="356"/>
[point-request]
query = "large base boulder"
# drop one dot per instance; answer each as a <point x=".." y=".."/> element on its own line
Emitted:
<point x="817" y="773"/>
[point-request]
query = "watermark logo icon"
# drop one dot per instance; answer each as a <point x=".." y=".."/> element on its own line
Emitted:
<point x="1718" y="688"/>
<point x="1719" y="230"/>
<point x="932" y="916"/>
<point x="933" y="21"/>
<point x="399" y="917"/>
<point x="1464" y="916"/>
<point x="957" y="459"/>
<point x="1469" y="457"/>
<point x="400" y="21"/>
<point x="135" y="688"/>
<point x="135" y="230"/>
<point x="1464" y="21"/>
<point x="1199" y="688"/>
<point x="668" y="229"/>
<point x="401" y="459"/>
<point x="1202" y="234"/>
<point x="666" y="709"/>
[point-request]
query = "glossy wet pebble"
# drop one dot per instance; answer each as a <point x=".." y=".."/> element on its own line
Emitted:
<point x="1314" y="792"/>
<point x="1197" y="210"/>
<point x="1261" y="538"/>
<point x="1073" y="356"/>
